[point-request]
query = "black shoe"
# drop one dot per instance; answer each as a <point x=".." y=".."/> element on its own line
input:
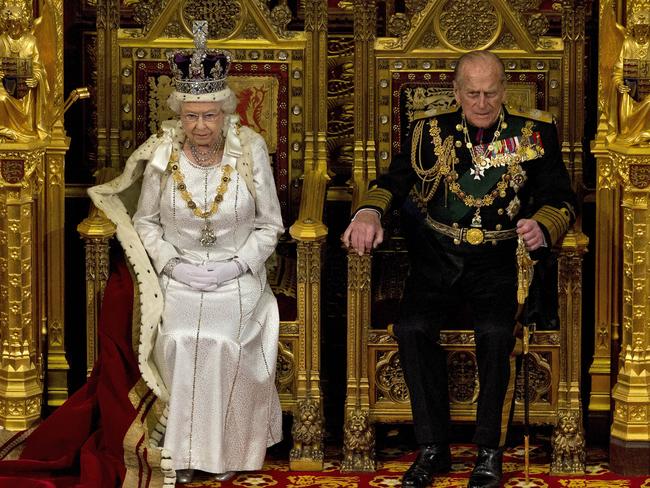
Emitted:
<point x="488" y="469"/>
<point x="432" y="459"/>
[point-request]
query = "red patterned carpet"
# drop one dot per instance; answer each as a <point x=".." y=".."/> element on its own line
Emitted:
<point x="392" y="463"/>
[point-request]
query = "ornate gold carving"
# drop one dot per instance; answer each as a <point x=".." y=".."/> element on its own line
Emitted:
<point x="289" y="328"/>
<point x="281" y="16"/>
<point x="307" y="432"/>
<point x="631" y="169"/>
<point x="539" y="379"/>
<point x="463" y="377"/>
<point x="399" y="25"/>
<point x="389" y="378"/>
<point x="506" y="41"/>
<point x="20" y="387"/>
<point x="56" y="333"/>
<point x="358" y="272"/>
<point x="174" y="29"/>
<point x="568" y="443"/>
<point x="55" y="171"/>
<point x="358" y="442"/>
<point x="251" y="31"/>
<point x="640" y="175"/>
<point x="365" y="20"/>
<point x="620" y="411"/>
<point x="606" y="174"/>
<point x="26" y="104"/>
<point x="469" y="32"/>
<point x="523" y="5"/>
<point x="456" y="337"/>
<point x="309" y="267"/>
<point x="285" y="370"/>
<point x="315" y="15"/>
<point x="380" y="337"/>
<point x="430" y="40"/>
<point x="144" y="12"/>
<point x="223" y="16"/>
<point x="537" y="24"/>
<point x="548" y="338"/>
<point x="96" y="230"/>
<point x="414" y="6"/>
<point x="340" y="105"/>
<point x="631" y="391"/>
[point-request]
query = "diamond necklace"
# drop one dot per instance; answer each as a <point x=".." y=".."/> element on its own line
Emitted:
<point x="208" y="157"/>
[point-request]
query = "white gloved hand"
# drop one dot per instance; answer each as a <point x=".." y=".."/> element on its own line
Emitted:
<point x="195" y="276"/>
<point x="222" y="272"/>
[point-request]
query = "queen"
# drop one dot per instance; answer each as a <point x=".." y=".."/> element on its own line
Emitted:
<point x="208" y="218"/>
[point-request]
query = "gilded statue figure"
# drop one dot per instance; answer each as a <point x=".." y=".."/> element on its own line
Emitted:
<point x="625" y="78"/>
<point x="24" y="87"/>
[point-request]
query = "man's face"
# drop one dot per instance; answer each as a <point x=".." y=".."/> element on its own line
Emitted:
<point x="480" y="92"/>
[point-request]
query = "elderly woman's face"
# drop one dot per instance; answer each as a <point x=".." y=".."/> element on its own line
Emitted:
<point x="202" y="122"/>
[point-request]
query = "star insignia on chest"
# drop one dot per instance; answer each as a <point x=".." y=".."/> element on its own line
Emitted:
<point x="477" y="172"/>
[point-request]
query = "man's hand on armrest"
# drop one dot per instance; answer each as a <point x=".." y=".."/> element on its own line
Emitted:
<point x="364" y="232"/>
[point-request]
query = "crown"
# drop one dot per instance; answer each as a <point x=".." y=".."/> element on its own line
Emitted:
<point x="200" y="70"/>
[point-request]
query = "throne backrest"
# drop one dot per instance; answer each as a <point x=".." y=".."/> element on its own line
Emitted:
<point x="263" y="88"/>
<point x="418" y="93"/>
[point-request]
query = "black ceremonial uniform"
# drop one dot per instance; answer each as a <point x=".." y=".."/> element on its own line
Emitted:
<point x="459" y="216"/>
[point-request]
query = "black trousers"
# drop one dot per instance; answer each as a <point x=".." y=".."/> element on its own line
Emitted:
<point x="486" y="286"/>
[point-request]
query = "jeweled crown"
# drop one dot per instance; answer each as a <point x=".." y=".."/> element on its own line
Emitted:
<point x="200" y="70"/>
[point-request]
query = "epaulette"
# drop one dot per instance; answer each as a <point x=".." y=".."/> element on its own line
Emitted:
<point x="531" y="113"/>
<point x="433" y="112"/>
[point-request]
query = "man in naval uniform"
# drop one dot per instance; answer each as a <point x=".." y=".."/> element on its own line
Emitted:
<point x="469" y="182"/>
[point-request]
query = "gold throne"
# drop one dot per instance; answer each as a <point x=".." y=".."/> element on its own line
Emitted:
<point x="413" y="70"/>
<point x="276" y="74"/>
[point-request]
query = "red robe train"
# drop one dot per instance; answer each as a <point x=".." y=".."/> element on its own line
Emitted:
<point x="99" y="437"/>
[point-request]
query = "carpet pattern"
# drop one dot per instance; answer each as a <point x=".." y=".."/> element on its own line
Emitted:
<point x="392" y="463"/>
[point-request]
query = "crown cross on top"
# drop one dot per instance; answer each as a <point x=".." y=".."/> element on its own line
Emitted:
<point x="200" y="70"/>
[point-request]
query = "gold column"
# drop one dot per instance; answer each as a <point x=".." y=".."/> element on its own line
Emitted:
<point x="52" y="207"/>
<point x="96" y="231"/>
<point x="365" y="166"/>
<point x="607" y="289"/>
<point x="573" y="68"/>
<point x="630" y="434"/>
<point x="358" y="431"/>
<point x="310" y="233"/>
<point x="568" y="440"/>
<point x="21" y="362"/>
<point x="307" y="429"/>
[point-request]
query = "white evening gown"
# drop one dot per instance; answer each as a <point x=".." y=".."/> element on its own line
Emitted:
<point x="216" y="351"/>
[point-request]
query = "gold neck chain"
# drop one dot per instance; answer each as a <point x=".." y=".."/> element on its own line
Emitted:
<point x="480" y="157"/>
<point x="179" y="178"/>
